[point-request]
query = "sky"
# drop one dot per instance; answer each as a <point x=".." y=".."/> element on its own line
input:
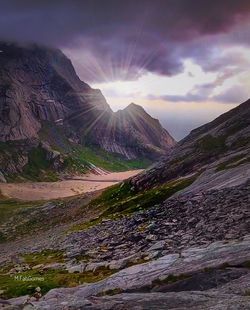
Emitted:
<point x="184" y="61"/>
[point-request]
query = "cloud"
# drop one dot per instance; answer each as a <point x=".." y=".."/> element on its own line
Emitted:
<point x="202" y="93"/>
<point x="123" y="39"/>
<point x="234" y="94"/>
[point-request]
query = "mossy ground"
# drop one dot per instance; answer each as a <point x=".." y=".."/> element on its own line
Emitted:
<point x="19" y="218"/>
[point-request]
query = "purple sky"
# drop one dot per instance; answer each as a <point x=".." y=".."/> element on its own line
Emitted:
<point x="131" y="50"/>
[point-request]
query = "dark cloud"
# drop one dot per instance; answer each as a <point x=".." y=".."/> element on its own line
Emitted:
<point x="124" y="38"/>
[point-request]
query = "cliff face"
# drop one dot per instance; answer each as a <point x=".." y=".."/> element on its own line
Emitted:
<point x="39" y="87"/>
<point x="38" y="84"/>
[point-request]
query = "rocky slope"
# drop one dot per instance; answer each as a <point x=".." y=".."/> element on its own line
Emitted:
<point x="201" y="278"/>
<point x="175" y="236"/>
<point x="221" y="144"/>
<point x="44" y="104"/>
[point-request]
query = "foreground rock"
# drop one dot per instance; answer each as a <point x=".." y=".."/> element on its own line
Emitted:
<point x="225" y="266"/>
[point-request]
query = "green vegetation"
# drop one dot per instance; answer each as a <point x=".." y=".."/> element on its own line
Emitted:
<point x="38" y="166"/>
<point x="233" y="162"/>
<point x="44" y="257"/>
<point x="24" y="283"/>
<point x="6" y="146"/>
<point x="9" y="207"/>
<point x="16" y="212"/>
<point x="78" y="158"/>
<point x="212" y="144"/>
<point x="148" y="198"/>
<point x="122" y="200"/>
<point x="81" y="157"/>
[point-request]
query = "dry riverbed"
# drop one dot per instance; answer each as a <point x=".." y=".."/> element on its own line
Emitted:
<point x="66" y="188"/>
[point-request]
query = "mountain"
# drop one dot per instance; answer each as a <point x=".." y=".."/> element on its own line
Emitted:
<point x="44" y="106"/>
<point x="221" y="143"/>
<point x="132" y="131"/>
<point x="173" y="237"/>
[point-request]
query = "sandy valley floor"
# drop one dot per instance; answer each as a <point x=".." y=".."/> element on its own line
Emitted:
<point x="74" y="186"/>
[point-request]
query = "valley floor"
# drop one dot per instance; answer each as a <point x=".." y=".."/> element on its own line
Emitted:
<point x="74" y="186"/>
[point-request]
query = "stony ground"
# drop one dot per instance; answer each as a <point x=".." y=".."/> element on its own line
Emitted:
<point x="192" y="249"/>
<point x="211" y="277"/>
<point x="181" y="222"/>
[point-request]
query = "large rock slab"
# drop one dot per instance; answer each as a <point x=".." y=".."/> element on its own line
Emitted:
<point x="136" y="278"/>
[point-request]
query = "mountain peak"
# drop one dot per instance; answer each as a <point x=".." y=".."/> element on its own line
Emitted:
<point x="133" y="105"/>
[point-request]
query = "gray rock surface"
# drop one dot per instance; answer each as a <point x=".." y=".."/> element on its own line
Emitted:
<point x="182" y="221"/>
<point x="229" y="293"/>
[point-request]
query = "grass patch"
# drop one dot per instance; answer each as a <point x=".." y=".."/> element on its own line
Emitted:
<point x="47" y="280"/>
<point x="25" y="282"/>
<point x="149" y="198"/>
<point x="44" y="257"/>
<point x="77" y="158"/>
<point x="12" y="212"/>
<point x="82" y="157"/>
<point x="110" y="292"/>
<point x="121" y="200"/>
